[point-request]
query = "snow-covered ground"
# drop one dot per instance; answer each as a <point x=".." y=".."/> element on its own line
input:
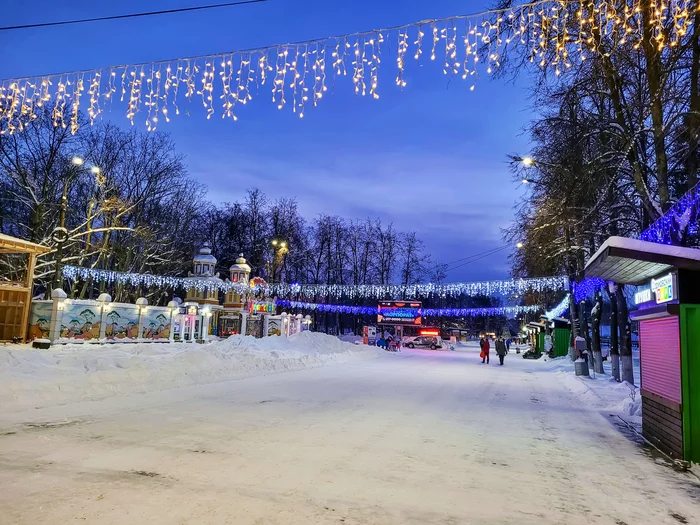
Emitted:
<point x="415" y="437"/>
<point x="84" y="371"/>
<point x="600" y="391"/>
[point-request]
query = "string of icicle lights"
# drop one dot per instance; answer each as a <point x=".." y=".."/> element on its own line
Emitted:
<point x="559" y="309"/>
<point x="488" y="288"/>
<point x="550" y="34"/>
<point x="507" y="311"/>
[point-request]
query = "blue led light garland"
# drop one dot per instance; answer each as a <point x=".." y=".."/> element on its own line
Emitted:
<point x="681" y="220"/>
<point x="427" y="312"/>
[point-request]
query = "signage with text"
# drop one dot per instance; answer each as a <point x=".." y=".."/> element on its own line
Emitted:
<point x="663" y="288"/>
<point x="261" y="307"/>
<point x="642" y="296"/>
<point x="399" y="312"/>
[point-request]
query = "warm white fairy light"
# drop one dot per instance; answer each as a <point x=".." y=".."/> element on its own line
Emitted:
<point x="550" y="33"/>
<point x="401" y="53"/>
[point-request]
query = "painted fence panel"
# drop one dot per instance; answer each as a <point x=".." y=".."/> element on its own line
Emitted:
<point x="122" y="323"/>
<point x="155" y="324"/>
<point x="40" y="320"/>
<point x="81" y="321"/>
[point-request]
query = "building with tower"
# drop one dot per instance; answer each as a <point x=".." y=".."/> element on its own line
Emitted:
<point x="239" y="273"/>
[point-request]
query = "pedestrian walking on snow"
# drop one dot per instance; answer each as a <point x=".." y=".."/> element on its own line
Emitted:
<point x="501" y="349"/>
<point x="485" y="349"/>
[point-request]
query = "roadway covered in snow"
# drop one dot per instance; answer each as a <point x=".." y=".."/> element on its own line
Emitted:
<point x="411" y="438"/>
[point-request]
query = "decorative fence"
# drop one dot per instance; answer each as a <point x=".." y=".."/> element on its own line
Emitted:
<point x="63" y="320"/>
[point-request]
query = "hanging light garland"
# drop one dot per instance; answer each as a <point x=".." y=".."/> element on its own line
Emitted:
<point x="507" y="311"/>
<point x="377" y="291"/>
<point x="487" y="288"/>
<point x="550" y="34"/>
<point x="559" y="309"/>
<point x="73" y="273"/>
<point x="678" y="223"/>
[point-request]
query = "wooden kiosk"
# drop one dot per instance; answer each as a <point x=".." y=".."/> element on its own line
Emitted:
<point x="16" y="289"/>
<point x="668" y="311"/>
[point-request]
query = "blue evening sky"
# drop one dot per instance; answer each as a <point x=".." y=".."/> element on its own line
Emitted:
<point x="430" y="158"/>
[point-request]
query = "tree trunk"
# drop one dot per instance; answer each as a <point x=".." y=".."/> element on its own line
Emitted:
<point x="652" y="54"/>
<point x="595" y="336"/>
<point x="583" y="327"/>
<point x="625" y="336"/>
<point x="574" y="326"/>
<point x="614" y="349"/>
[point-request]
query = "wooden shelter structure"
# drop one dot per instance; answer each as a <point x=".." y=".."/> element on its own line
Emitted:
<point x="668" y="310"/>
<point x="16" y="290"/>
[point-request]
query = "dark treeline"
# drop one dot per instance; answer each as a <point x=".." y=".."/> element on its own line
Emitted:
<point x="141" y="212"/>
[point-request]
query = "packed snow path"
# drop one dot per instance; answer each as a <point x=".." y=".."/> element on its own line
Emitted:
<point x="418" y="437"/>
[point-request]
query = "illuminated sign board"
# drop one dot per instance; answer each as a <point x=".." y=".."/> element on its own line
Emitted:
<point x="642" y="296"/>
<point x="399" y="312"/>
<point x="429" y="331"/>
<point x="663" y="288"/>
<point x="262" y="307"/>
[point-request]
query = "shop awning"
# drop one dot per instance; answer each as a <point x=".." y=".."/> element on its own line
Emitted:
<point x="629" y="261"/>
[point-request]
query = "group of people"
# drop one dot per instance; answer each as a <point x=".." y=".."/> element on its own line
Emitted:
<point x="502" y="348"/>
<point x="392" y="344"/>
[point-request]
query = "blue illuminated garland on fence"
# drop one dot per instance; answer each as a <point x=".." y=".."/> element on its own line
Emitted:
<point x="487" y="288"/>
<point x="427" y="312"/>
<point x="681" y="220"/>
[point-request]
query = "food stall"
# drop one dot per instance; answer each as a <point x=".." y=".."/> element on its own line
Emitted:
<point x="668" y="310"/>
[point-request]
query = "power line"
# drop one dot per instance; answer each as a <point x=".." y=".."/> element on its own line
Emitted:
<point x="487" y="252"/>
<point x="131" y="15"/>
<point x="479" y="258"/>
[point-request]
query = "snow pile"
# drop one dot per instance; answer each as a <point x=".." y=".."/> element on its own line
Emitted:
<point x="600" y="392"/>
<point x="79" y="372"/>
<point x="351" y="338"/>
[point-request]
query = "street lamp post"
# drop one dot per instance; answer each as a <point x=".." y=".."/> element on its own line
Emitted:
<point x="279" y="249"/>
<point x="60" y="234"/>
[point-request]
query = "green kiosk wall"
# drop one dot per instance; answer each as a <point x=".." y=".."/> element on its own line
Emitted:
<point x="690" y="380"/>
<point x="540" y="341"/>
<point x="561" y="342"/>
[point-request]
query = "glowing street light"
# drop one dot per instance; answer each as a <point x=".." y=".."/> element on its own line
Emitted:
<point x="527" y="161"/>
<point x="519" y="246"/>
<point x="77" y="161"/>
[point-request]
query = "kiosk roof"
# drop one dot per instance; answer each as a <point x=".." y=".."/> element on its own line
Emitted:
<point x="630" y="261"/>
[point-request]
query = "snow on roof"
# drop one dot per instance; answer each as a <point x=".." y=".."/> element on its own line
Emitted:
<point x="631" y="261"/>
<point x="648" y="247"/>
<point x="9" y="244"/>
<point x="241" y="264"/>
